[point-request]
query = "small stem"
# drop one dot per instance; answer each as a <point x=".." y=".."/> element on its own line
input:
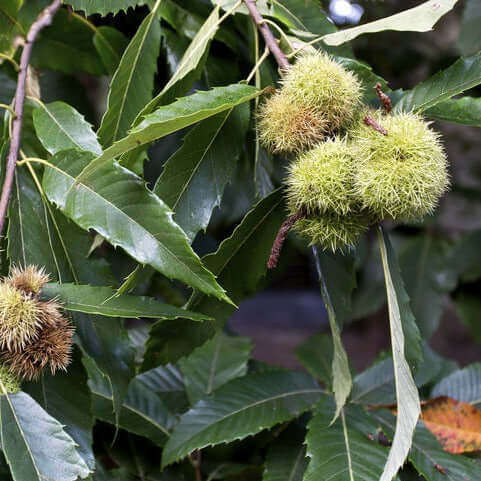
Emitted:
<point x="257" y="66"/>
<point x="7" y="107"/>
<point x="44" y="19"/>
<point x="371" y="122"/>
<point x="269" y="38"/>
<point x="385" y="100"/>
<point x="281" y="237"/>
<point x="11" y="60"/>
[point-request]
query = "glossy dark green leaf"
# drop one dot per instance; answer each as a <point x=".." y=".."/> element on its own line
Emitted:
<point x="428" y="456"/>
<point x="106" y="6"/>
<point x="60" y="127"/>
<point x="239" y="409"/>
<point x="133" y="82"/>
<point x="193" y="180"/>
<point x="110" y="44"/>
<point x="342" y="450"/>
<point x="465" y="111"/>
<point x="217" y="362"/>
<point x="66" y="397"/>
<point x="406" y="343"/>
<point x="463" y="75"/>
<point x="466" y="257"/>
<point x="67" y="46"/>
<point x="128" y="215"/>
<point x="315" y="355"/>
<point x="428" y="276"/>
<point x="142" y="413"/>
<point x="39" y="450"/>
<point x="469" y="40"/>
<point x="239" y="264"/>
<point x="463" y="385"/>
<point x="104" y="301"/>
<point x="176" y="116"/>
<point x="185" y="22"/>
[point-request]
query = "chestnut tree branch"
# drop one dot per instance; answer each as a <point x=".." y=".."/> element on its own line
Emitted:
<point x="269" y="38"/>
<point x="44" y="19"/>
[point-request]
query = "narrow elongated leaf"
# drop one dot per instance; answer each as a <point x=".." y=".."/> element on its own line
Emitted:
<point x="182" y="113"/>
<point x="193" y="180"/>
<point x="341" y="373"/>
<point x="241" y="408"/>
<point x="342" y="451"/>
<point x="104" y="301"/>
<point x="428" y="456"/>
<point x="239" y="264"/>
<point x="285" y="461"/>
<point x="66" y="397"/>
<point x="463" y="75"/>
<point x="39" y="450"/>
<point x="218" y="361"/>
<point x="106" y="6"/>
<point x="110" y="44"/>
<point x="418" y="19"/>
<point x="127" y="214"/>
<point x="143" y="412"/>
<point x="191" y="58"/>
<point x="465" y="111"/>
<point x="407" y="396"/>
<point x="463" y="385"/>
<point x="60" y="127"/>
<point x="133" y="82"/>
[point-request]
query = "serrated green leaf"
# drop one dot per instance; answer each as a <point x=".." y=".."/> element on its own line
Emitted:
<point x="40" y="235"/>
<point x="403" y="327"/>
<point x="468" y="307"/>
<point x="60" y="127"/>
<point x="66" y="397"/>
<point x="217" y="362"/>
<point x="104" y="302"/>
<point x="142" y="413"/>
<point x="110" y="44"/>
<point x="465" y="111"/>
<point x="469" y="40"/>
<point x="133" y="82"/>
<point x="128" y="215"/>
<point x="106" y="6"/>
<point x="428" y="456"/>
<point x="239" y="409"/>
<point x="239" y="264"/>
<point x="40" y="450"/>
<point x="418" y="19"/>
<point x="66" y="46"/>
<point x="463" y="75"/>
<point x="463" y="385"/>
<point x="193" y="180"/>
<point x="342" y="451"/>
<point x="316" y="356"/>
<point x="336" y="282"/>
<point x="176" y="116"/>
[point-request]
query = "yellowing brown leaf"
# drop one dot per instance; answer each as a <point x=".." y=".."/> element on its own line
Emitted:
<point x="456" y="424"/>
